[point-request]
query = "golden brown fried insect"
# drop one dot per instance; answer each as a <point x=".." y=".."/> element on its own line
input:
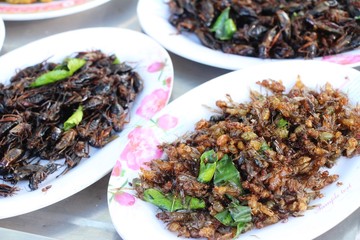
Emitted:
<point x="280" y="144"/>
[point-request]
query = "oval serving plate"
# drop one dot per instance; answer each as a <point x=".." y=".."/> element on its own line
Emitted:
<point x="55" y="8"/>
<point x="148" y="59"/>
<point x="129" y="213"/>
<point x="153" y="17"/>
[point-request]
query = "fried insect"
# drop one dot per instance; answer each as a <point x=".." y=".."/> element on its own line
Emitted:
<point x="271" y="29"/>
<point x="32" y="121"/>
<point x="277" y="149"/>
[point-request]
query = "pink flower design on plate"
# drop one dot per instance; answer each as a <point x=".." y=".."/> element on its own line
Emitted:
<point x="168" y="82"/>
<point x="124" y="198"/>
<point x="167" y="122"/>
<point x="343" y="59"/>
<point x="141" y="148"/>
<point x="153" y="103"/>
<point x="116" y="172"/>
<point x="156" y="67"/>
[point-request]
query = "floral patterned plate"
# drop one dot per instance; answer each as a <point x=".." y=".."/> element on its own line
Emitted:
<point x="135" y="219"/>
<point x="154" y="14"/>
<point x="55" y="8"/>
<point x="148" y="59"/>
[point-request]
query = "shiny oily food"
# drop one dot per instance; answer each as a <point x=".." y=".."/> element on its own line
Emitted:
<point x="55" y="111"/>
<point x="252" y="164"/>
<point x="271" y="29"/>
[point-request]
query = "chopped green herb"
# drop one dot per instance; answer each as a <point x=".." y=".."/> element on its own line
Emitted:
<point x="264" y="147"/>
<point x="226" y="173"/>
<point x="172" y="203"/>
<point x="75" y="64"/>
<point x="225" y="218"/>
<point x="207" y="166"/>
<point x="224" y="27"/>
<point x="74" y="119"/>
<point x="50" y="77"/>
<point x="235" y="215"/>
<point x="59" y="73"/>
<point x="282" y="123"/>
<point x="116" y="61"/>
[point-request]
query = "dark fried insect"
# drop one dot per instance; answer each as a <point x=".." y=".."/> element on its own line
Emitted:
<point x="271" y="29"/>
<point x="276" y="149"/>
<point x="32" y="118"/>
<point x="6" y="190"/>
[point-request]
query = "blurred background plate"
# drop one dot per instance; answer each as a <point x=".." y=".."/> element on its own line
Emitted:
<point x="153" y="16"/>
<point x="56" y="8"/>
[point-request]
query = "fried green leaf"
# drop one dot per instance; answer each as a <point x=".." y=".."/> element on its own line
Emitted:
<point x="50" y="77"/>
<point x="226" y="172"/>
<point x="158" y="199"/>
<point x="224" y="27"/>
<point x="240" y="213"/>
<point x="75" y="64"/>
<point x="225" y="218"/>
<point x="264" y="147"/>
<point x="74" y="119"/>
<point x="170" y="202"/>
<point x="207" y="166"/>
<point x="282" y="123"/>
<point x="61" y="72"/>
<point x="116" y="61"/>
<point x="235" y="215"/>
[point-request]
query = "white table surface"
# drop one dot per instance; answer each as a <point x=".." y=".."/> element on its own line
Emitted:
<point x="85" y="215"/>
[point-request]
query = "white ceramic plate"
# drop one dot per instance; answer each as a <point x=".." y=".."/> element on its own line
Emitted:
<point x="147" y="57"/>
<point x="130" y="213"/>
<point x="153" y="16"/>
<point x="56" y="8"/>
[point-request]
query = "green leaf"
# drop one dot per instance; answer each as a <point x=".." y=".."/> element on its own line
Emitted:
<point x="50" y="77"/>
<point x="225" y="218"/>
<point x="239" y="228"/>
<point x="172" y="203"/>
<point x="158" y="199"/>
<point x="264" y="147"/>
<point x="75" y="64"/>
<point x="282" y="123"/>
<point x="74" y="119"/>
<point x="224" y="27"/>
<point x="207" y="166"/>
<point x="235" y="215"/>
<point x="226" y="172"/>
<point x="240" y="213"/>
<point x="194" y="203"/>
<point x="230" y="29"/>
<point x="116" y="61"/>
<point x="60" y="72"/>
